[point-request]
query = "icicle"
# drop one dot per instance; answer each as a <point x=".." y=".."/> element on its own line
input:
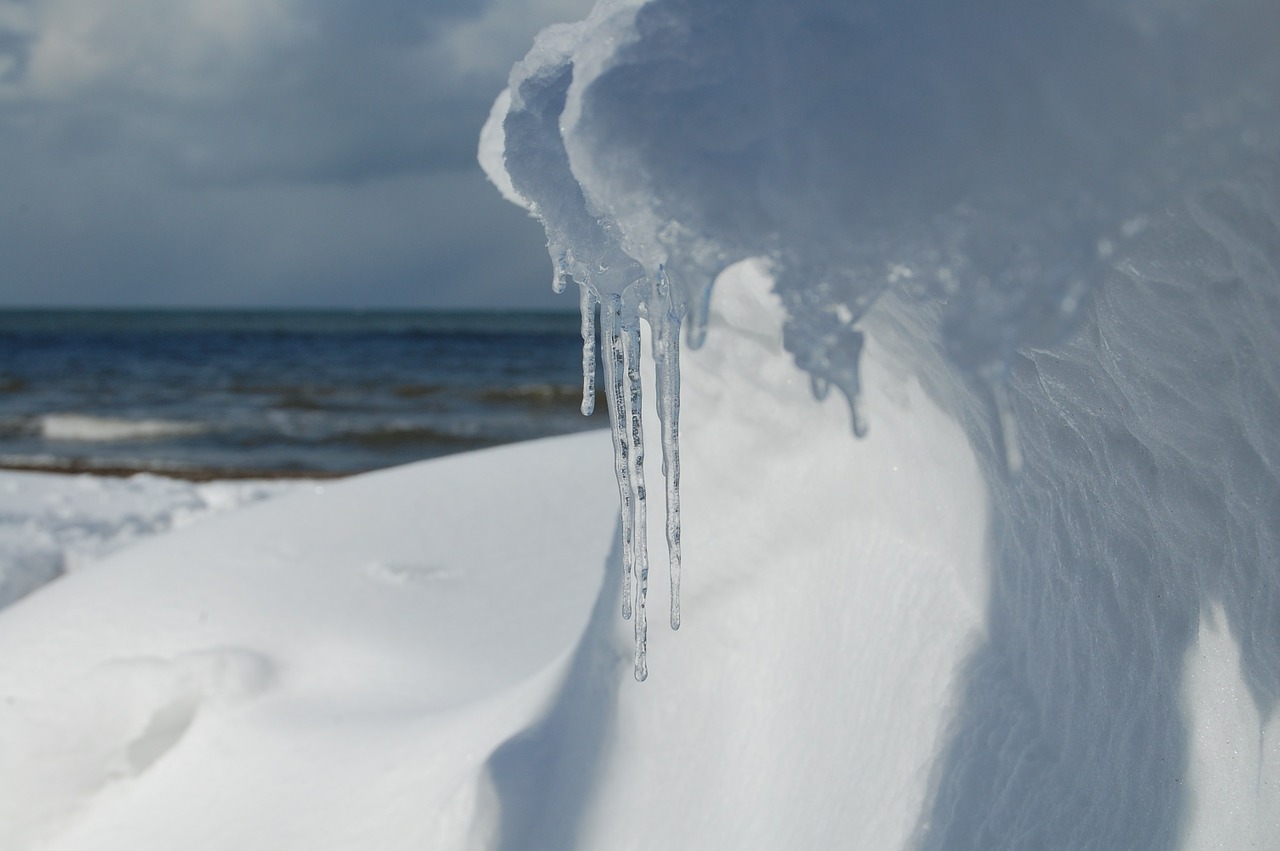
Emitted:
<point x="825" y="344"/>
<point x="666" y="358"/>
<point x="560" y="278"/>
<point x="639" y="553"/>
<point x="1008" y="425"/>
<point x="587" y="306"/>
<point x="699" y="315"/>
<point x="614" y="375"/>
<point x="858" y="414"/>
<point x="853" y="384"/>
<point x="619" y="330"/>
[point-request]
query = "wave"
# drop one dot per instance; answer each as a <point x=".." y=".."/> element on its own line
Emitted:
<point x="88" y="428"/>
<point x="416" y="391"/>
<point x="287" y="322"/>
<point x="533" y="394"/>
<point x="394" y="437"/>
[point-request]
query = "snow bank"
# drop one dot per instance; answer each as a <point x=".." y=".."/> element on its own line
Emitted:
<point x="330" y="669"/>
<point x="802" y="699"/>
<point x="428" y="657"/>
<point x="432" y="656"/>
<point x="1064" y="221"/>
<point x="53" y="524"/>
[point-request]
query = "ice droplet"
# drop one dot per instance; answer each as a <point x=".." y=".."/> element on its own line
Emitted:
<point x="1008" y="426"/>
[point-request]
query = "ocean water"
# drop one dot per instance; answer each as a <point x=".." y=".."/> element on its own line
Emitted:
<point x="232" y="393"/>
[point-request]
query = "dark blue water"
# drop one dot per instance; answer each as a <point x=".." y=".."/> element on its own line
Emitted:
<point x="230" y="393"/>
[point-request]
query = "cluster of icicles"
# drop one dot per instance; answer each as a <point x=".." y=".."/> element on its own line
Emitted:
<point x="618" y="337"/>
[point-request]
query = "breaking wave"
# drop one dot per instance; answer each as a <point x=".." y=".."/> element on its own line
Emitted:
<point x="87" y="428"/>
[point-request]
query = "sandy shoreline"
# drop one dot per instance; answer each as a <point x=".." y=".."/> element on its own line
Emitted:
<point x="185" y="474"/>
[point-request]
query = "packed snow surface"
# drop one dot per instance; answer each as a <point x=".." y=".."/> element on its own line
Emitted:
<point x="328" y="670"/>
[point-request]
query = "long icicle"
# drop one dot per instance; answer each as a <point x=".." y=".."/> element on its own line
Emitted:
<point x="1007" y="424"/>
<point x="560" y="277"/>
<point x="699" y="315"/>
<point x="666" y="359"/>
<point x="639" y="553"/>
<point x="587" y="307"/>
<point x="614" y="374"/>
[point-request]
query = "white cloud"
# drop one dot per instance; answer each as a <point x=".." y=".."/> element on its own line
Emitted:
<point x="167" y="47"/>
<point x="192" y="48"/>
<point x="489" y="44"/>
<point x="124" y="121"/>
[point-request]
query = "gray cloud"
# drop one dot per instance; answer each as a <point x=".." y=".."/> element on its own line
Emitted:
<point x="260" y="151"/>
<point x="15" y="54"/>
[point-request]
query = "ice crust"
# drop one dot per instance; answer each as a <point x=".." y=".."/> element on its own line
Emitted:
<point x="989" y="158"/>
<point x="1074" y="211"/>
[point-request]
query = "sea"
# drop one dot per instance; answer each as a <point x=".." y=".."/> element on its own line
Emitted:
<point x="204" y="394"/>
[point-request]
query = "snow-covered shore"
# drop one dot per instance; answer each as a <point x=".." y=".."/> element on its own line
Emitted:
<point x="399" y="660"/>
<point x="432" y="656"/>
<point x="52" y="523"/>
<point x="327" y="670"/>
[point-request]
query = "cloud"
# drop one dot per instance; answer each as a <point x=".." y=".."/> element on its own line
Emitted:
<point x="249" y="89"/>
<point x="445" y="239"/>
<point x="163" y="126"/>
<point x="180" y="49"/>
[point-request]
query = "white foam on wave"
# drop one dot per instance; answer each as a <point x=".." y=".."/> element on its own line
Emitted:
<point x="94" y="429"/>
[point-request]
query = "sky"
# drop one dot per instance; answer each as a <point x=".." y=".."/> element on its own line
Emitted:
<point x="316" y="153"/>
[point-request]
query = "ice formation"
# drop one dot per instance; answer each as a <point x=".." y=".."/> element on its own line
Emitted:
<point x="585" y="247"/>
<point x="1077" y="206"/>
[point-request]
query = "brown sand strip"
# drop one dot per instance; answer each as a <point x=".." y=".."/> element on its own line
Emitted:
<point x="187" y="474"/>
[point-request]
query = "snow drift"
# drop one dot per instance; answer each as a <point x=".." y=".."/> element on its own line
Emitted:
<point x="329" y="669"/>
<point x="1066" y="223"/>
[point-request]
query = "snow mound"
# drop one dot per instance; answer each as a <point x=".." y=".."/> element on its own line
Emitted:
<point x="54" y="524"/>
<point x="1064" y="222"/>
<point x="329" y="669"/>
